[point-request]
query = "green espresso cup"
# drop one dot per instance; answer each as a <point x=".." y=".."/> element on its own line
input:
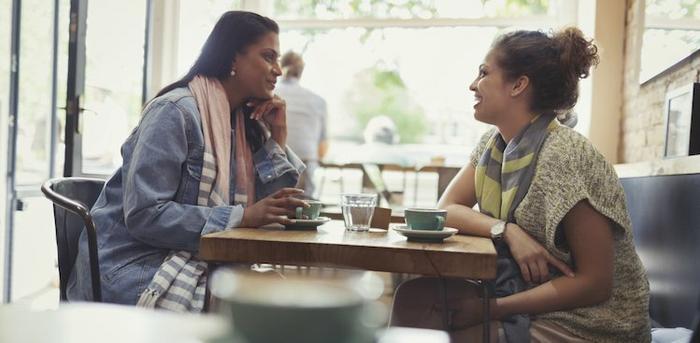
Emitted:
<point x="431" y="219"/>
<point x="311" y="212"/>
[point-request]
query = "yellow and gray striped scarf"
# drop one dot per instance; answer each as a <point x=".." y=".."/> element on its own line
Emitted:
<point x="504" y="172"/>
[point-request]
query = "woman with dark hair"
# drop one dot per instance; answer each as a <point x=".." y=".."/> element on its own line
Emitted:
<point x="208" y="155"/>
<point x="567" y="267"/>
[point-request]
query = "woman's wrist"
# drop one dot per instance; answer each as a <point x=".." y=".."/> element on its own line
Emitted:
<point x="279" y="134"/>
<point x="496" y="309"/>
<point x="244" y="218"/>
<point x="511" y="231"/>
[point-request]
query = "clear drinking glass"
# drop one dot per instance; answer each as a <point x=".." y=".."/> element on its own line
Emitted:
<point x="358" y="210"/>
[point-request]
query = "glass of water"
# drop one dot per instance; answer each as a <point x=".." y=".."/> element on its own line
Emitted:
<point x="358" y="210"/>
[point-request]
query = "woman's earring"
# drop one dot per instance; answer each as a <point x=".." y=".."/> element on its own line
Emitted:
<point x="233" y="72"/>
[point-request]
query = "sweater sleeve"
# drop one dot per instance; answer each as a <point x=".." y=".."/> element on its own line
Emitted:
<point x="570" y="170"/>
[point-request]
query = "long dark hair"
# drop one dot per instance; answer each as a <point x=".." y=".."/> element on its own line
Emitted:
<point x="234" y="32"/>
<point x="554" y="63"/>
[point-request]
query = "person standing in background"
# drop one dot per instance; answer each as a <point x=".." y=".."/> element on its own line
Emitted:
<point x="306" y="117"/>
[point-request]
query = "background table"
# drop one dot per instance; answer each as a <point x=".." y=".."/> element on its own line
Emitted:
<point x="373" y="178"/>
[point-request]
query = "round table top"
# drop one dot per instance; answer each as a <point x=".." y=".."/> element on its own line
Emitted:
<point x="92" y="322"/>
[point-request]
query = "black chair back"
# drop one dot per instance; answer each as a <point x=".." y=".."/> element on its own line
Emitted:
<point x="665" y="213"/>
<point x="73" y="197"/>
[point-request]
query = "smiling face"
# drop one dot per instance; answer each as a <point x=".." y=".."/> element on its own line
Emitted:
<point x="492" y="91"/>
<point x="257" y="67"/>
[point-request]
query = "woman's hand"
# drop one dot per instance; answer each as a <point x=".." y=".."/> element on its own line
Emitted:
<point x="531" y="256"/>
<point x="273" y="209"/>
<point x="273" y="113"/>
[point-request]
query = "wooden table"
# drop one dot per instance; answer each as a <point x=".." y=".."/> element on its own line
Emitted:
<point x="332" y="246"/>
<point x="379" y="250"/>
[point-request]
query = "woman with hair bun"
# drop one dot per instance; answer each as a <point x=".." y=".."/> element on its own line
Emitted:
<point x="554" y="207"/>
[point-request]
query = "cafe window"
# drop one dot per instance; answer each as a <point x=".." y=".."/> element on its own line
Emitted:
<point x="410" y="9"/>
<point x="197" y="19"/>
<point x="672" y="32"/>
<point x="113" y="81"/>
<point x="411" y="61"/>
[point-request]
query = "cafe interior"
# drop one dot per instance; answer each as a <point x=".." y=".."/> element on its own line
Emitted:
<point x="398" y="129"/>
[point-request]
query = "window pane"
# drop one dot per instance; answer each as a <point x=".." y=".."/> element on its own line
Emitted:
<point x="197" y="18"/>
<point x="113" y="80"/>
<point x="409" y="9"/>
<point x="673" y="9"/>
<point x="34" y="246"/>
<point x="35" y="87"/>
<point x="408" y="75"/>
<point x="663" y="48"/>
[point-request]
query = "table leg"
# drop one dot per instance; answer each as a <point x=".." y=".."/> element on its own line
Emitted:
<point x="405" y="187"/>
<point x="342" y="181"/>
<point x="486" y="334"/>
<point x="321" y="181"/>
<point x="207" y="308"/>
<point x="415" y="189"/>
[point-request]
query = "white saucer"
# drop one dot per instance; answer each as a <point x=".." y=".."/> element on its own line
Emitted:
<point x="425" y="236"/>
<point x="307" y="224"/>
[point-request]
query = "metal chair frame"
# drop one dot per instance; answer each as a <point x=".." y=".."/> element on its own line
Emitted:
<point x="83" y="211"/>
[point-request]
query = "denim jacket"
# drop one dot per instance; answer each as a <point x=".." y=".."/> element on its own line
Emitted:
<point x="148" y="206"/>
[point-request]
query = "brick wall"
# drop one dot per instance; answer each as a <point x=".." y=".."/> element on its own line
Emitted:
<point x="643" y="120"/>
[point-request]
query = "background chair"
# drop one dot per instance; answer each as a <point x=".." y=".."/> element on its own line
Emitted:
<point x="73" y="197"/>
<point x="372" y="177"/>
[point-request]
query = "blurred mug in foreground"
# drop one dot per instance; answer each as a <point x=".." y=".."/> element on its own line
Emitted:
<point x="425" y="218"/>
<point x="358" y="210"/>
<point x="266" y="308"/>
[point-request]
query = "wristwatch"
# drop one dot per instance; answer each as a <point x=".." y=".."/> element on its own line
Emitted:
<point x="498" y="230"/>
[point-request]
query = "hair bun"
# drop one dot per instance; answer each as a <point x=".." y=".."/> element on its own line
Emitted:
<point x="578" y="54"/>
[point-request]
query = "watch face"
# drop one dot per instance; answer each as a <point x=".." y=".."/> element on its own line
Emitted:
<point x="497" y="229"/>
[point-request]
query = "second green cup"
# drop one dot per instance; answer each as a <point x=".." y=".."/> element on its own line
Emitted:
<point x="311" y="212"/>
